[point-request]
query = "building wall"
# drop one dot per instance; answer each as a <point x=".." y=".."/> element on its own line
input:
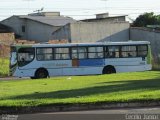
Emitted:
<point x="99" y="31"/>
<point x="147" y="35"/>
<point x="7" y="38"/>
<point x="141" y="34"/>
<point x="63" y="33"/>
<point x="39" y="32"/>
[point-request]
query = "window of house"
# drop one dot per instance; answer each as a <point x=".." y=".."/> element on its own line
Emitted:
<point x="23" y="28"/>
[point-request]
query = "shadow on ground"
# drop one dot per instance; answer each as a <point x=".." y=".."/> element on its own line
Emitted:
<point x="105" y="87"/>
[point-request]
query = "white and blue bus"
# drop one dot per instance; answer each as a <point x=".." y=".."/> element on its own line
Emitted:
<point x="45" y="60"/>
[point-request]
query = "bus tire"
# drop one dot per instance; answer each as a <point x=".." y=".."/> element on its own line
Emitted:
<point x="109" y="69"/>
<point x="41" y="73"/>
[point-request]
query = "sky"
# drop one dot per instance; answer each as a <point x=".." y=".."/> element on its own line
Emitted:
<point x="79" y="9"/>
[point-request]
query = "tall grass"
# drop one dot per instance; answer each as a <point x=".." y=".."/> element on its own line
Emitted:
<point x="156" y="63"/>
<point x="4" y="67"/>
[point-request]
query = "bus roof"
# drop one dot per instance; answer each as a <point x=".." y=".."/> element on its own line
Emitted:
<point x="85" y="44"/>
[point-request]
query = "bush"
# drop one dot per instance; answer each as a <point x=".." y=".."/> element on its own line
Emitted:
<point x="4" y="67"/>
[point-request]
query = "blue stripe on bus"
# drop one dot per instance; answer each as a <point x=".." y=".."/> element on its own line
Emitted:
<point x="91" y="62"/>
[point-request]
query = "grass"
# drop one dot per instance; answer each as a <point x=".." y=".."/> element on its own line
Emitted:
<point x="4" y="67"/>
<point x="124" y="87"/>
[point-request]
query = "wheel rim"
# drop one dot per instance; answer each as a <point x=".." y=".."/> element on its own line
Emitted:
<point x="42" y="75"/>
<point x="109" y="71"/>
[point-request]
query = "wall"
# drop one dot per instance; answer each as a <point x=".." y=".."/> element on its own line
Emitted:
<point x="99" y="31"/>
<point x="6" y="39"/>
<point x="39" y="32"/>
<point x="142" y="34"/>
<point x="62" y="34"/>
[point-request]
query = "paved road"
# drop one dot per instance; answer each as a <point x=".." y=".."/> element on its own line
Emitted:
<point x="112" y="114"/>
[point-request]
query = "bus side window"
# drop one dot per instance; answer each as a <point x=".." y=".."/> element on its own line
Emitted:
<point x="113" y="51"/>
<point x="113" y="54"/>
<point x="128" y="51"/>
<point x="74" y="53"/>
<point x="106" y="54"/>
<point x="95" y="52"/>
<point x="129" y="55"/>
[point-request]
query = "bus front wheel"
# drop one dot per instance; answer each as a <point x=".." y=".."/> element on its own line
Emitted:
<point x="41" y="73"/>
<point x="109" y="70"/>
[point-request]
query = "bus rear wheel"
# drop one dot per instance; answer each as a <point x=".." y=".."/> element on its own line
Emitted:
<point x="109" y="70"/>
<point x="41" y="73"/>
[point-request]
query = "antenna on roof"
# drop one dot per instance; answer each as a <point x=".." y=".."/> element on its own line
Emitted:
<point x="39" y="10"/>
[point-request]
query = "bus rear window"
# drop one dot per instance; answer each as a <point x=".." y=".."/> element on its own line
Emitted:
<point x="142" y="50"/>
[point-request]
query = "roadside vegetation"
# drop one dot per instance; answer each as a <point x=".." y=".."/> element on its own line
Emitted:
<point x="4" y="67"/>
<point x="122" y="87"/>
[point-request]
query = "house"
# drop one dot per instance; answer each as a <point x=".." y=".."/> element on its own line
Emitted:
<point x="105" y="17"/>
<point x="37" y="26"/>
<point x="45" y="26"/>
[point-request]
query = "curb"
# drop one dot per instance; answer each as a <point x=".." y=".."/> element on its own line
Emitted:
<point x="74" y="107"/>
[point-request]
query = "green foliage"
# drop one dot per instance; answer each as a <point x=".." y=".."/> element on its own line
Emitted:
<point x="123" y="87"/>
<point x="146" y="19"/>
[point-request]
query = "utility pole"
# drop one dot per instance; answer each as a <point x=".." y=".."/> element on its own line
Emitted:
<point x="105" y="4"/>
<point x="28" y="2"/>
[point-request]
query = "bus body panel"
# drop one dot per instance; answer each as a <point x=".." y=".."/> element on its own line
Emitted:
<point x="120" y="69"/>
<point x="82" y="71"/>
<point x="129" y="64"/>
<point x="59" y="67"/>
<point x="125" y="61"/>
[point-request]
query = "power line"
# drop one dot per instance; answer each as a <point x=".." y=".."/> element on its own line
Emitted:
<point x="82" y="8"/>
<point x="87" y="15"/>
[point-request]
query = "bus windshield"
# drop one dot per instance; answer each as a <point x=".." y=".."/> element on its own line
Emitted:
<point x="13" y="59"/>
<point x="25" y="56"/>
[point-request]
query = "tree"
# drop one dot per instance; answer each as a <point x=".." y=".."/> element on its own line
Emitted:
<point x="146" y="19"/>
